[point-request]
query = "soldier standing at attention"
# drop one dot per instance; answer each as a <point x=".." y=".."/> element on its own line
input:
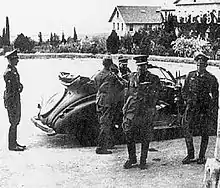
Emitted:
<point x="123" y="68"/>
<point x="139" y="110"/>
<point x="200" y="92"/>
<point x="12" y="99"/>
<point x="106" y="100"/>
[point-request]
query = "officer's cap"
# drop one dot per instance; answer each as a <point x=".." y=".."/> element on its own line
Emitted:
<point x="120" y="57"/>
<point x="11" y="55"/>
<point x="141" y="60"/>
<point x="200" y="54"/>
<point x="107" y="61"/>
<point x="123" y="61"/>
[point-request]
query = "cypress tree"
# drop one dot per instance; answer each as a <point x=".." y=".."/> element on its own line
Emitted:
<point x="40" y="38"/>
<point x="7" y="32"/>
<point x="74" y="35"/>
<point x="3" y="37"/>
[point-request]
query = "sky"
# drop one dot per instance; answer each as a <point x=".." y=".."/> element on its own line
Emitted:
<point x="88" y="16"/>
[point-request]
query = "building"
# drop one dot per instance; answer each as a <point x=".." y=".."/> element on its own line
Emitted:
<point x="128" y="19"/>
<point x="192" y="9"/>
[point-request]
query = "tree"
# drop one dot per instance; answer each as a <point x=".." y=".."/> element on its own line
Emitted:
<point x="75" y="35"/>
<point x="3" y="36"/>
<point x="40" y="38"/>
<point x="63" y="40"/>
<point x="24" y="43"/>
<point x="112" y="43"/>
<point x="7" y="33"/>
<point x="51" y="38"/>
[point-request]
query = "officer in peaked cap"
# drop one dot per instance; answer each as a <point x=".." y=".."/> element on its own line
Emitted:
<point x="200" y="54"/>
<point x="201" y="93"/>
<point x="141" y="60"/>
<point x="12" y="99"/>
<point x="11" y="55"/>
<point x="139" y="110"/>
<point x="123" y="68"/>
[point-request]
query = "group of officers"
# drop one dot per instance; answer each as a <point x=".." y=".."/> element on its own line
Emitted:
<point x="140" y="91"/>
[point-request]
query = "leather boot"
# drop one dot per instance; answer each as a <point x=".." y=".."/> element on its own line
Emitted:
<point x="190" y="151"/>
<point x="144" y="152"/>
<point x="12" y="144"/>
<point x="203" y="147"/>
<point x="131" y="154"/>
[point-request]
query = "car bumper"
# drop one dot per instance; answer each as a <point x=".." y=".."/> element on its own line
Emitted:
<point x="43" y="127"/>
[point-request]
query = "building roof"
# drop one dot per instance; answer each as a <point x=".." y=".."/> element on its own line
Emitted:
<point x="193" y="2"/>
<point x="138" y="14"/>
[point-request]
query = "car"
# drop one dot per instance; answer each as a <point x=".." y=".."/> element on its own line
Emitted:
<point x="73" y="111"/>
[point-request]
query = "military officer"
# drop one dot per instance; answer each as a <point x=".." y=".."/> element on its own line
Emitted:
<point x="200" y="92"/>
<point x="123" y="68"/>
<point x="108" y="86"/>
<point x="12" y="99"/>
<point x="139" y="110"/>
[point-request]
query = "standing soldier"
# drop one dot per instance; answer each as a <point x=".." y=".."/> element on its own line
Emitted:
<point x="12" y="99"/>
<point x="200" y="92"/>
<point x="108" y="88"/>
<point x="123" y="68"/>
<point x="139" y="110"/>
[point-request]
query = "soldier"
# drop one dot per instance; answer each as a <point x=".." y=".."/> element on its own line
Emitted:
<point x="108" y="87"/>
<point x="200" y="93"/>
<point x="12" y="99"/>
<point x="123" y="68"/>
<point x="139" y="110"/>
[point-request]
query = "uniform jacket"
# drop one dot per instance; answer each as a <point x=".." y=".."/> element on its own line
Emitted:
<point x="142" y="93"/>
<point x="201" y="89"/>
<point x="13" y="85"/>
<point x="108" y="88"/>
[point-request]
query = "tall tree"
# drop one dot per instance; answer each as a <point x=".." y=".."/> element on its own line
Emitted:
<point x="40" y="38"/>
<point x="74" y="35"/>
<point x="7" y="32"/>
<point x="51" y="38"/>
<point x="63" y="40"/>
<point x="3" y="37"/>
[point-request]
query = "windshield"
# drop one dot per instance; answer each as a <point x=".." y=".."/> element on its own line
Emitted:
<point x="162" y="74"/>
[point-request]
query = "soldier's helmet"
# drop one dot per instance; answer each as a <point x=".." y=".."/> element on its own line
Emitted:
<point x="123" y="61"/>
<point x="107" y="61"/>
<point x="200" y="54"/>
<point x="141" y="60"/>
<point x="11" y="55"/>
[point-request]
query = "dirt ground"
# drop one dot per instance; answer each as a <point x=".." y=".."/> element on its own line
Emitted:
<point x="60" y="162"/>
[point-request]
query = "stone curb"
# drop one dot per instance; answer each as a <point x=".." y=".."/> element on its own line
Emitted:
<point x="114" y="56"/>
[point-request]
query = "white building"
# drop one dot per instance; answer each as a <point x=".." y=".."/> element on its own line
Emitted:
<point x="128" y="19"/>
<point x="197" y="8"/>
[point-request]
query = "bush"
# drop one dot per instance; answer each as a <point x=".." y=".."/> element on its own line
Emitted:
<point x="185" y="47"/>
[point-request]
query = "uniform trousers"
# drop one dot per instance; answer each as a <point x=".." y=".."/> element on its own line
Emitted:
<point x="14" y="115"/>
<point x="199" y="115"/>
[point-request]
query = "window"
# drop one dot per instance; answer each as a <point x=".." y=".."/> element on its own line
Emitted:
<point x="131" y="27"/>
<point x="122" y="26"/>
<point x="113" y="26"/>
<point x="117" y="26"/>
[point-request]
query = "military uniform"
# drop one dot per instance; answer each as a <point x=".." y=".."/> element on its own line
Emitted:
<point x="106" y="100"/>
<point x="200" y="92"/>
<point x="139" y="111"/>
<point x="12" y="101"/>
<point x="124" y="70"/>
